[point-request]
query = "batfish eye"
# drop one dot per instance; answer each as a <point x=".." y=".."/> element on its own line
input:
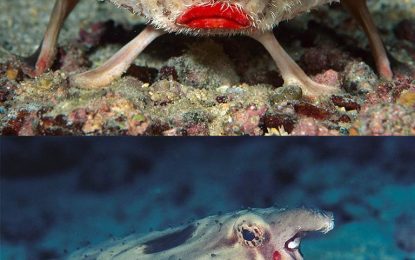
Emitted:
<point x="293" y="243"/>
<point x="251" y="235"/>
<point x="248" y="235"/>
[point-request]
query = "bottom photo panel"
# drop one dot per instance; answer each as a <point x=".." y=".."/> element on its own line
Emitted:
<point x="189" y="199"/>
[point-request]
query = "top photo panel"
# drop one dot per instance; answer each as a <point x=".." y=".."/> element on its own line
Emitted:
<point x="207" y="67"/>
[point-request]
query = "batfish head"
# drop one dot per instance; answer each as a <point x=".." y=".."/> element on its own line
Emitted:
<point x="215" y="17"/>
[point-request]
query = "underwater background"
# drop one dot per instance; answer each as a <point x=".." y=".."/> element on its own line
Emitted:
<point x="58" y="195"/>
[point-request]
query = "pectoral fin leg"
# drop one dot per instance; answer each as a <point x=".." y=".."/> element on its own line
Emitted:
<point x="117" y="64"/>
<point x="290" y="71"/>
<point x="360" y="11"/>
<point x="45" y="55"/>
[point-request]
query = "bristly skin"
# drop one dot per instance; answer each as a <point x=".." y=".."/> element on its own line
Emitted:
<point x="253" y="234"/>
<point x="254" y="18"/>
<point x="264" y="14"/>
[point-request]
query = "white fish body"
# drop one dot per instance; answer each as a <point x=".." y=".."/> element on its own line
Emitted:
<point x="247" y="234"/>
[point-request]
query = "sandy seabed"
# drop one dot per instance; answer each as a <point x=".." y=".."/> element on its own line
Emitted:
<point x="207" y="86"/>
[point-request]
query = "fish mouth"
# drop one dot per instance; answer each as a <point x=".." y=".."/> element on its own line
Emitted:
<point x="214" y="16"/>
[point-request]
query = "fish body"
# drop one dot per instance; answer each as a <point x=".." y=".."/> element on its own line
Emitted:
<point x="254" y="18"/>
<point x="252" y="15"/>
<point x="252" y="234"/>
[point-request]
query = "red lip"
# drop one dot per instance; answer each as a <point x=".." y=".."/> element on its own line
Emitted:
<point x="215" y="16"/>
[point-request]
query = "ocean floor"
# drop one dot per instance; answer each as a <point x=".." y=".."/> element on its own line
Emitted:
<point x="206" y="86"/>
<point x="58" y="195"/>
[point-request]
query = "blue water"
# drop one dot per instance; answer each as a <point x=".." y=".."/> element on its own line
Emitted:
<point x="58" y="195"/>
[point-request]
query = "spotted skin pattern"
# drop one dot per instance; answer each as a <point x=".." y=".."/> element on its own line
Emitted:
<point x="253" y="18"/>
<point x="253" y="234"/>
